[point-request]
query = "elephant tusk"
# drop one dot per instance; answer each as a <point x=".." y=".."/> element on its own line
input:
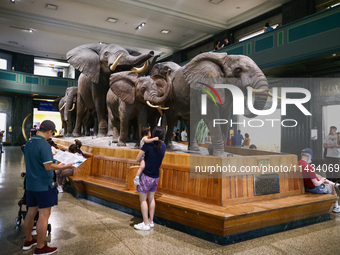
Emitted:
<point x="151" y="105"/>
<point x="62" y="107"/>
<point x="271" y="95"/>
<point x="142" y="69"/>
<point x="163" y="108"/>
<point x="72" y="107"/>
<point x="258" y="91"/>
<point x="115" y="64"/>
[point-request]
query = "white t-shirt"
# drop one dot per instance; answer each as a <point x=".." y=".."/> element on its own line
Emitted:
<point x="184" y="136"/>
<point x="332" y="152"/>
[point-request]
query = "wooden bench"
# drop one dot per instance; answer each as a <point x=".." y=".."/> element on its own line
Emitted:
<point x="222" y="206"/>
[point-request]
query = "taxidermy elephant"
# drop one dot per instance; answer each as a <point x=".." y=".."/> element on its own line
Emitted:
<point x="96" y="62"/>
<point x="132" y="96"/>
<point x="68" y="115"/>
<point x="212" y="68"/>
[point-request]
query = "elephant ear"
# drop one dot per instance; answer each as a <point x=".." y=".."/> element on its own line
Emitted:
<point x="85" y="58"/>
<point x="206" y="69"/>
<point x="123" y="85"/>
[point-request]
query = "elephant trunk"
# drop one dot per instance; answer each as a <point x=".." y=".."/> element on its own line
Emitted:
<point x="261" y="95"/>
<point x="161" y="100"/>
<point x="70" y="102"/>
<point x="133" y="61"/>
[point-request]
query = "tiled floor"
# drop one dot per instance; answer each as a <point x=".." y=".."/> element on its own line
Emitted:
<point x="83" y="227"/>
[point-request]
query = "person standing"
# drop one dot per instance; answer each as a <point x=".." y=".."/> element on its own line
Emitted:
<point x="333" y="153"/>
<point x="153" y="154"/>
<point x="238" y="138"/>
<point x="1" y="137"/>
<point x="41" y="189"/>
<point x="246" y="141"/>
<point x="184" y="136"/>
<point x="33" y="131"/>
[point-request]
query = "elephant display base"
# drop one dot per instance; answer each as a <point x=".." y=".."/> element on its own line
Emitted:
<point x="222" y="210"/>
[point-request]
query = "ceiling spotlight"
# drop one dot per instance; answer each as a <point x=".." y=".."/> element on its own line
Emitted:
<point x="164" y="31"/>
<point x="215" y="1"/>
<point x="12" y="1"/>
<point x="112" y="20"/>
<point x="140" y="26"/>
<point x="51" y="6"/>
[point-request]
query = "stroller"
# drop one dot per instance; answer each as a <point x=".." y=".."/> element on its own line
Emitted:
<point x="22" y="213"/>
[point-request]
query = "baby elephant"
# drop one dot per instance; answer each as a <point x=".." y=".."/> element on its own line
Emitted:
<point x="131" y="97"/>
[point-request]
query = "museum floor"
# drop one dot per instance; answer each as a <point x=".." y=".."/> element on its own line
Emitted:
<point x="83" y="227"/>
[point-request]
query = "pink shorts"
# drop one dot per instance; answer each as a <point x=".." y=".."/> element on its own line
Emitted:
<point x="147" y="184"/>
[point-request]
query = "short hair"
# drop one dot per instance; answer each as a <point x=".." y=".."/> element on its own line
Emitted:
<point x="78" y="143"/>
<point x="145" y="131"/>
<point x="72" y="148"/>
<point x="333" y="127"/>
<point x="239" y="131"/>
<point x="266" y="25"/>
<point x="246" y="135"/>
<point x="253" y="146"/>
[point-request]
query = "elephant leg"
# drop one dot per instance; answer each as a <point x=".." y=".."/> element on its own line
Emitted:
<point x="101" y="109"/>
<point x="81" y="111"/>
<point x="125" y="113"/>
<point x="115" y="130"/>
<point x="192" y="141"/>
<point x="216" y="138"/>
<point x="109" y="122"/>
<point x="171" y="124"/>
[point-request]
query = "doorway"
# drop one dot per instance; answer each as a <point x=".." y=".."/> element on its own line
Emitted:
<point x="330" y="118"/>
<point x="3" y="121"/>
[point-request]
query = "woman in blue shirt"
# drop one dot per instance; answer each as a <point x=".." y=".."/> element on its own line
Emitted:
<point x="153" y="156"/>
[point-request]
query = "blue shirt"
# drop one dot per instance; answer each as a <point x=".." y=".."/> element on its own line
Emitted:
<point x="38" y="152"/>
<point x="153" y="159"/>
<point x="238" y="139"/>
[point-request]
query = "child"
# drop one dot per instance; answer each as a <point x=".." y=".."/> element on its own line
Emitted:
<point x="146" y="139"/>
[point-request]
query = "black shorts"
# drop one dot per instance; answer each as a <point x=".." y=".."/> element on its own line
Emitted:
<point x="42" y="199"/>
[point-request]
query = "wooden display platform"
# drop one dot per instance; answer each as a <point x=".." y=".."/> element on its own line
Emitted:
<point x="221" y="207"/>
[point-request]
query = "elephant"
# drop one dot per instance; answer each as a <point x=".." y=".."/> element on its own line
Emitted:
<point x="132" y="96"/>
<point x="186" y="89"/>
<point x="96" y="62"/>
<point x="67" y="114"/>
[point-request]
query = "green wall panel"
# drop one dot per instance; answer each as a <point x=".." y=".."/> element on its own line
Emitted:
<point x="264" y="43"/>
<point x="32" y="80"/>
<point x="55" y="82"/>
<point x="8" y="76"/>
<point x="236" y="51"/>
<point x="314" y="27"/>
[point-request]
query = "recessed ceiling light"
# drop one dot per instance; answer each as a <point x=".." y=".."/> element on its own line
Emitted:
<point x="334" y="54"/>
<point x="51" y="6"/>
<point x="164" y="31"/>
<point x="215" y="1"/>
<point x="112" y="20"/>
<point x="140" y="25"/>
<point x="13" y="1"/>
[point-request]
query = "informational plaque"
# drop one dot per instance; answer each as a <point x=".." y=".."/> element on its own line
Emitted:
<point x="265" y="184"/>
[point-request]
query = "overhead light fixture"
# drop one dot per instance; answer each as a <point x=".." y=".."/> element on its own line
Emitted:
<point x="51" y="6"/>
<point x="215" y="1"/>
<point x="112" y="20"/>
<point x="12" y="1"/>
<point x="140" y="25"/>
<point x="164" y="31"/>
<point x="23" y="29"/>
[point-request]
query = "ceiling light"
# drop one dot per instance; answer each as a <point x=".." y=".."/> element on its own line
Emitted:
<point x="112" y="20"/>
<point x="164" y="31"/>
<point x="13" y="1"/>
<point x="140" y="25"/>
<point x="215" y="1"/>
<point x="334" y="54"/>
<point x="51" y="6"/>
<point x="23" y="29"/>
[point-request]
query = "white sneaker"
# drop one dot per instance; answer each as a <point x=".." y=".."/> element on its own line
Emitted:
<point x="142" y="226"/>
<point x="151" y="224"/>
<point x="60" y="189"/>
<point x="136" y="181"/>
<point x="336" y="209"/>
